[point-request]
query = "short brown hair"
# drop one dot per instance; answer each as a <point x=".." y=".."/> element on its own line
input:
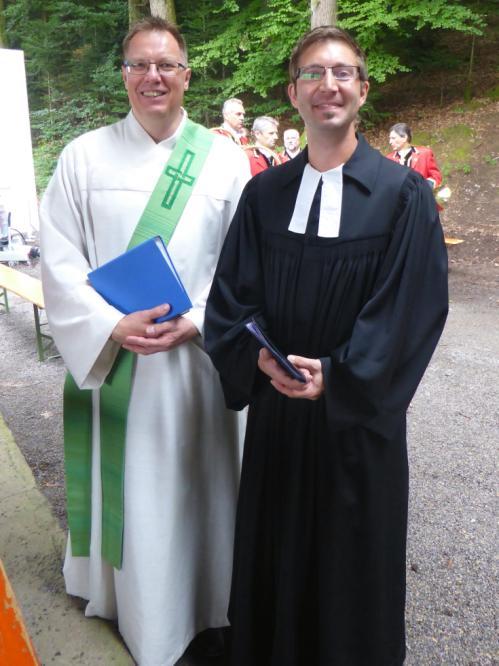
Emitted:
<point x="154" y="24"/>
<point x="326" y="33"/>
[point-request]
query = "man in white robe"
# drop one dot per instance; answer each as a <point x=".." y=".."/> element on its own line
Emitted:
<point x="182" y="450"/>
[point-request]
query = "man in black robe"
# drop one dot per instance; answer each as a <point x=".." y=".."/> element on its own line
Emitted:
<point x="339" y="256"/>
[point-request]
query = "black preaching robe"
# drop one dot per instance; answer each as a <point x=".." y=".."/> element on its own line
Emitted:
<point x="319" y="564"/>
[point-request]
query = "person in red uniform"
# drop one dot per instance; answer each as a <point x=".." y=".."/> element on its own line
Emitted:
<point x="419" y="158"/>
<point x="233" y="125"/>
<point x="261" y="154"/>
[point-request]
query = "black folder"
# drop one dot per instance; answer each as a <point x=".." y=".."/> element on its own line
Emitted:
<point x="263" y="339"/>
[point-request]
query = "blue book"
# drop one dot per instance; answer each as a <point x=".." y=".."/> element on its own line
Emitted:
<point x="142" y="278"/>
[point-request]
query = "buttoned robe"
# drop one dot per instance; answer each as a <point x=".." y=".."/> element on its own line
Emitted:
<point x="182" y="458"/>
<point x="319" y="567"/>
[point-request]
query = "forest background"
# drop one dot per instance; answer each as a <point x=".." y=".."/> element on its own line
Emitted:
<point x="236" y="49"/>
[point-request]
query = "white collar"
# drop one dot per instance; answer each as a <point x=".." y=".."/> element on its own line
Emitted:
<point x="167" y="143"/>
<point x="171" y="141"/>
<point x="230" y="129"/>
<point x="268" y="152"/>
<point x="331" y="198"/>
<point x="404" y="151"/>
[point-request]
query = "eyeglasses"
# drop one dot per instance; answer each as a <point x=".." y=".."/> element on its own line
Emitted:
<point x="141" y="67"/>
<point x="340" y="73"/>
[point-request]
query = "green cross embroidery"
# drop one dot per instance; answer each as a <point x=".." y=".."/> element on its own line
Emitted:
<point x="179" y="177"/>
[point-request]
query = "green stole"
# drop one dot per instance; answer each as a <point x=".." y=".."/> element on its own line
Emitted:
<point x="160" y="217"/>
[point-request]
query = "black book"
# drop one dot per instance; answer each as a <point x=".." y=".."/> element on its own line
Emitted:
<point x="286" y="365"/>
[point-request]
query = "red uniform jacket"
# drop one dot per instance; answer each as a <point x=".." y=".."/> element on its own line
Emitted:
<point x="241" y="140"/>
<point x="258" y="161"/>
<point x="422" y="161"/>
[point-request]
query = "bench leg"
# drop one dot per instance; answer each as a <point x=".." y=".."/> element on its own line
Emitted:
<point x="5" y="299"/>
<point x="39" y="338"/>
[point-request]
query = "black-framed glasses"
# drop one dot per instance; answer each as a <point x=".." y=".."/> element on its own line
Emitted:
<point x="340" y="73"/>
<point x="164" y="67"/>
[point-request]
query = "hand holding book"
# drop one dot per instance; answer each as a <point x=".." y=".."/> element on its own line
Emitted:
<point x="140" y="332"/>
<point x="253" y="327"/>
<point x="140" y="279"/>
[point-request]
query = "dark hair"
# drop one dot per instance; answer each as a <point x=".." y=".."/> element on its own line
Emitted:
<point x="322" y="34"/>
<point x="154" y="24"/>
<point x="402" y="130"/>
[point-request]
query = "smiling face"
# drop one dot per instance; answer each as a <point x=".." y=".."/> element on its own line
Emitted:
<point x="398" y="142"/>
<point x="328" y="105"/>
<point x="156" y="99"/>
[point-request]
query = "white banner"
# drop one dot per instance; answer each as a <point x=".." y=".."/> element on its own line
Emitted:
<point x="17" y="174"/>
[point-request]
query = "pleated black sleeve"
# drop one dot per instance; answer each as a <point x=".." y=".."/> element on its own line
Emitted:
<point x="372" y="376"/>
<point x="237" y="295"/>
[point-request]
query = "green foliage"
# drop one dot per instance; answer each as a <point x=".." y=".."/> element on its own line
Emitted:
<point x="72" y="57"/>
<point x="493" y="93"/>
<point x="491" y="160"/>
<point x="64" y="40"/>
<point x="400" y="36"/>
<point x="242" y="49"/>
<point x="472" y="105"/>
<point x="458" y="146"/>
<point x="67" y="117"/>
<point x="245" y="46"/>
<point x="237" y="48"/>
<point x="453" y="146"/>
<point x="457" y="133"/>
<point x="421" y="138"/>
<point x="45" y="158"/>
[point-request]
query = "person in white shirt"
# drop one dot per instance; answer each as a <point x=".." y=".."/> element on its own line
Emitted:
<point x="291" y="139"/>
<point x="181" y="448"/>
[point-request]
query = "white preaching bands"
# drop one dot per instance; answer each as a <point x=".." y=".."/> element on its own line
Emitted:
<point x="332" y="192"/>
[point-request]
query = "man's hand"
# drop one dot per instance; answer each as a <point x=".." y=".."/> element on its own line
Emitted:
<point x="138" y="333"/>
<point x="282" y="382"/>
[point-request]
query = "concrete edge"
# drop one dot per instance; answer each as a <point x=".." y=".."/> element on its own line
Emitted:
<point x="31" y="548"/>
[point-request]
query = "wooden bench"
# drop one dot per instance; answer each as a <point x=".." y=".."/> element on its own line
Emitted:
<point x="30" y="289"/>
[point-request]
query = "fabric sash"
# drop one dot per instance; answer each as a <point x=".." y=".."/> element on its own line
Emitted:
<point x="160" y="217"/>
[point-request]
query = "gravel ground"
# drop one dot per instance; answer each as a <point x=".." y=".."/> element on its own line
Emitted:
<point x="453" y="434"/>
<point x="452" y="547"/>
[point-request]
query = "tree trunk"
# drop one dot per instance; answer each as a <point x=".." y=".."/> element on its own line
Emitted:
<point x="163" y="8"/>
<point x="468" y="88"/>
<point x="3" y="36"/>
<point x="170" y="11"/>
<point x="323" y="12"/>
<point x="134" y="12"/>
